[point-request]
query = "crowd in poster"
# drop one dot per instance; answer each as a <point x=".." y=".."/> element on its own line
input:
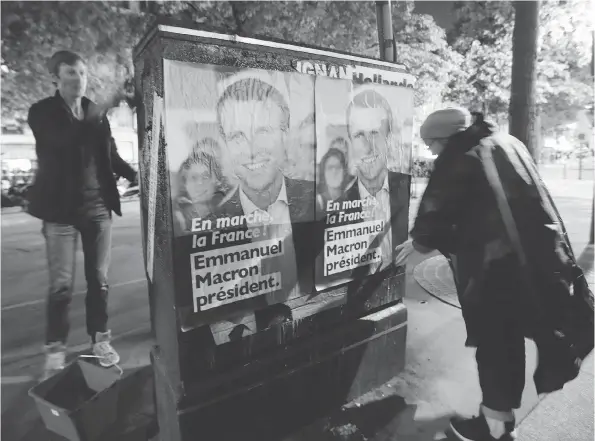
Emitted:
<point x="252" y="200"/>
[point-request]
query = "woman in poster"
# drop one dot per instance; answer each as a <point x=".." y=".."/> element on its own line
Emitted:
<point x="201" y="185"/>
<point x="333" y="177"/>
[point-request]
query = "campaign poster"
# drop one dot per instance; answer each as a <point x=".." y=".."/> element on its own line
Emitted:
<point x="241" y="149"/>
<point x="363" y="177"/>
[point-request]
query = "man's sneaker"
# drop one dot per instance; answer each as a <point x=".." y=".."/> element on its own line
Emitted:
<point x="104" y="351"/>
<point x="55" y="360"/>
<point x="476" y="429"/>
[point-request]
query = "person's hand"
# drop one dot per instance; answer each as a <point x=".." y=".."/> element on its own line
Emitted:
<point x="403" y="251"/>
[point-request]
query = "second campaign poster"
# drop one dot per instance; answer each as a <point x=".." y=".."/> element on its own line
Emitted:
<point x="363" y="160"/>
<point x="260" y="162"/>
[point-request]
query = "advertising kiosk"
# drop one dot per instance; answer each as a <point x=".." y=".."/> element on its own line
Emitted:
<point x="275" y="184"/>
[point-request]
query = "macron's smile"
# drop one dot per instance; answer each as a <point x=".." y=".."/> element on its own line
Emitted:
<point x="369" y="159"/>
<point x="254" y="166"/>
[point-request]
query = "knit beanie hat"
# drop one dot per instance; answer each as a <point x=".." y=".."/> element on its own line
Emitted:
<point x="445" y="123"/>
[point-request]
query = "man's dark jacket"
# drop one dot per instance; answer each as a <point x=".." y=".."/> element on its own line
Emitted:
<point x="487" y="210"/>
<point x="60" y="138"/>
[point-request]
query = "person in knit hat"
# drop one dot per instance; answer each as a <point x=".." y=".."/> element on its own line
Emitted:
<point x="443" y="124"/>
<point x="486" y="209"/>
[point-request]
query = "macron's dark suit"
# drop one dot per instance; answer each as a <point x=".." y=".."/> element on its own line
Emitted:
<point x="301" y="199"/>
<point x="399" y="185"/>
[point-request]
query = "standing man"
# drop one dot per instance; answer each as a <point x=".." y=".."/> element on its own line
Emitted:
<point x="74" y="193"/>
<point x="370" y="129"/>
<point x="486" y="209"/>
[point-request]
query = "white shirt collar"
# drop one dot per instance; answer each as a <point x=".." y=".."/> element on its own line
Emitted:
<point x="249" y="207"/>
<point x="364" y="193"/>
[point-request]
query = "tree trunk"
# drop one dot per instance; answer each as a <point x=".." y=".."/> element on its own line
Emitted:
<point x="522" y="112"/>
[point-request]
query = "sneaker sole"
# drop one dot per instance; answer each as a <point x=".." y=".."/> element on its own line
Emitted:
<point x="512" y="434"/>
<point x="107" y="364"/>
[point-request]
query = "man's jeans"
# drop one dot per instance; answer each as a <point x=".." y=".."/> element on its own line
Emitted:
<point x="95" y="228"/>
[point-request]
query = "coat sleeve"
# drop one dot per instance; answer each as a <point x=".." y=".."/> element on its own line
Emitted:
<point x="443" y="202"/>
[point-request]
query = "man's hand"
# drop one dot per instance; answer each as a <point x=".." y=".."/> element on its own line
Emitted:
<point x="134" y="181"/>
<point x="403" y="252"/>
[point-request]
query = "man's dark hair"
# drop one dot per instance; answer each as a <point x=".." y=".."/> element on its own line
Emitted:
<point x="63" y="57"/>
<point x="253" y="89"/>
<point x="370" y="99"/>
<point x="340" y="141"/>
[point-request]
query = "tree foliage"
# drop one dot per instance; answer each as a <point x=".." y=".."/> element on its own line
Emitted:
<point x="105" y="33"/>
<point x="422" y="46"/>
<point x="482" y="34"/>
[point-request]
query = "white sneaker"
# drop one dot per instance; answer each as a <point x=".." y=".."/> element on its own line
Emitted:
<point x="55" y="360"/>
<point x="104" y="351"/>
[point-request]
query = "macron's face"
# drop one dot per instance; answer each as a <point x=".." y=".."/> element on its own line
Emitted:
<point x="255" y="141"/>
<point x="369" y="132"/>
<point x="72" y="79"/>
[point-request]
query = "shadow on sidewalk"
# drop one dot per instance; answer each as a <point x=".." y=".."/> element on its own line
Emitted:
<point x="385" y="419"/>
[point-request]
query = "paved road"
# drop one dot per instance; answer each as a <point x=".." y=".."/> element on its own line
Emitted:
<point x="24" y="286"/>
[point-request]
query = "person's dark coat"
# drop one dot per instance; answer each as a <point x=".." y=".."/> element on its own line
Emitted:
<point x="521" y="275"/>
<point x="59" y="140"/>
